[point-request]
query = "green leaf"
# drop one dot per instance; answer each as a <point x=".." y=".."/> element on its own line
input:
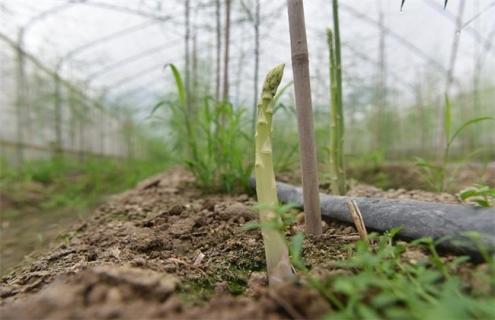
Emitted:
<point x="286" y="207"/>
<point x="479" y="194"/>
<point x="423" y="241"/>
<point x="251" y="225"/>
<point x="181" y="89"/>
<point x="467" y="124"/>
<point x="422" y="163"/>
<point x="391" y="233"/>
<point x="468" y="194"/>
<point x="482" y="203"/>
<point x="155" y="108"/>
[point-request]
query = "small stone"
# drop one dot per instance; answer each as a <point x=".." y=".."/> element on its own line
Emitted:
<point x="6" y="292"/>
<point x="183" y="226"/>
<point x="176" y="209"/>
<point x="170" y="267"/>
<point x="237" y="210"/>
<point x="217" y="208"/>
<point x="243" y="198"/>
<point x="138" y="262"/>
<point x="149" y="183"/>
<point x="324" y="226"/>
<point x="173" y="305"/>
<point x="349" y="230"/>
<point x="91" y="255"/>
<point x="208" y="205"/>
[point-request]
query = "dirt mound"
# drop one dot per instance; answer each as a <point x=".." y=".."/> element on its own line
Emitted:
<point x="100" y="292"/>
<point x="109" y="292"/>
<point x="411" y="178"/>
<point x="163" y="250"/>
<point x="363" y="190"/>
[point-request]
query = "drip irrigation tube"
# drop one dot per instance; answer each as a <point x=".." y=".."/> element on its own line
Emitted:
<point x="418" y="219"/>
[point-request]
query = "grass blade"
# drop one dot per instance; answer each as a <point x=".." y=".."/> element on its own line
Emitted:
<point x="156" y="107"/>
<point x="467" y="124"/>
<point x="181" y="89"/>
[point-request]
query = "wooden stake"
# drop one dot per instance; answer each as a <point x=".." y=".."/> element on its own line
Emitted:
<point x="302" y="89"/>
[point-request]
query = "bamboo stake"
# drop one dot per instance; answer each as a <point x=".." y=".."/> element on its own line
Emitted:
<point x="302" y="88"/>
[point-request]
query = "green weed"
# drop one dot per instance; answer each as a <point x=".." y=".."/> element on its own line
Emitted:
<point x="211" y="140"/>
<point x="482" y="195"/>
<point x="65" y="182"/>
<point x="222" y="162"/>
<point x="379" y="284"/>
<point x="436" y="174"/>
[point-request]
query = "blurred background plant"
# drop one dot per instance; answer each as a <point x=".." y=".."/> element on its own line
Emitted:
<point x="44" y="197"/>
<point x="212" y="141"/>
<point x="436" y="173"/>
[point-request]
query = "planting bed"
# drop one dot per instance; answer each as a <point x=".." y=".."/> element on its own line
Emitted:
<point x="166" y="250"/>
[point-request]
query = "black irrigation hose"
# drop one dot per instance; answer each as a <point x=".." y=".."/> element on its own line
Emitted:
<point x="417" y="219"/>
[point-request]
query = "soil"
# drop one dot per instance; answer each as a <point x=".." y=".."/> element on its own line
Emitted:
<point x="166" y="250"/>
<point x="410" y="177"/>
<point x="27" y="224"/>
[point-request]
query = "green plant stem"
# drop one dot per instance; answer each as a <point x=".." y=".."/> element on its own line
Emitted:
<point x="340" y="103"/>
<point x="336" y="124"/>
<point x="276" y="250"/>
